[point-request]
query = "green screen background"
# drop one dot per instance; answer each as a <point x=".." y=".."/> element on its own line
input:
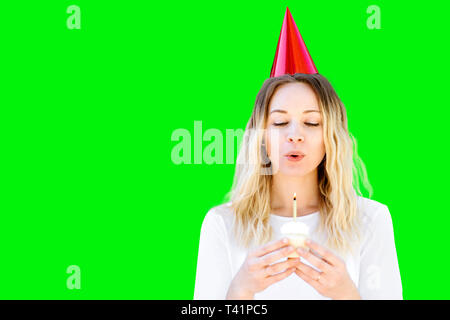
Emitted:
<point x="87" y="117"/>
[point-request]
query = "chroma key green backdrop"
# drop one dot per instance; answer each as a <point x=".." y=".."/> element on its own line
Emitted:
<point x="87" y="117"/>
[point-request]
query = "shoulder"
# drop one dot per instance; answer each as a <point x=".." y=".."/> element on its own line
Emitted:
<point x="369" y="206"/>
<point x="217" y="224"/>
<point x="222" y="214"/>
<point x="374" y="213"/>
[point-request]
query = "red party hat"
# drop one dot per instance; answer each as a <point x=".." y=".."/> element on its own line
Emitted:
<point x="291" y="56"/>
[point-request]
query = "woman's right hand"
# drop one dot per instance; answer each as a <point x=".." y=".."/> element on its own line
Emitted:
<point x="259" y="270"/>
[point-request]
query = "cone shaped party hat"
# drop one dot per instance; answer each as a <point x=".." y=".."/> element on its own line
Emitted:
<point x="291" y="56"/>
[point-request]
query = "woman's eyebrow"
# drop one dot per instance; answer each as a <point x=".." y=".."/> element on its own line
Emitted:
<point x="284" y="111"/>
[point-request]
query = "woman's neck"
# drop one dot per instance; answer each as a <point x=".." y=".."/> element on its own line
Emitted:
<point x="306" y="188"/>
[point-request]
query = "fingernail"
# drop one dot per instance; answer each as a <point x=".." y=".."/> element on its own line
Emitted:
<point x="285" y="240"/>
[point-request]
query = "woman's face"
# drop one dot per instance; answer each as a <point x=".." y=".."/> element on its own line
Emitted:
<point x="294" y="124"/>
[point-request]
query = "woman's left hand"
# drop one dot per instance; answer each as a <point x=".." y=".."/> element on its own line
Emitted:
<point x="332" y="280"/>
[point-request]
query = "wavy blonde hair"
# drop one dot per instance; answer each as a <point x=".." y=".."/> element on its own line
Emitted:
<point x="339" y="173"/>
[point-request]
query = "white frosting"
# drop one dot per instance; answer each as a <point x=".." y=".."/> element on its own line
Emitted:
<point x="294" y="227"/>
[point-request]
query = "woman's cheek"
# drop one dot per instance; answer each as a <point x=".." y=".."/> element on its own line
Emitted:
<point x="274" y="148"/>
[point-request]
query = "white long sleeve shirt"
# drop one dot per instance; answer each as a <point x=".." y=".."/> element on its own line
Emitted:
<point x="373" y="268"/>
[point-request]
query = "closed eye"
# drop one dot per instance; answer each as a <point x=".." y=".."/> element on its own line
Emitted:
<point x="307" y="123"/>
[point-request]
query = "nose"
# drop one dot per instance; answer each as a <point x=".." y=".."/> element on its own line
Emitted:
<point x="295" y="136"/>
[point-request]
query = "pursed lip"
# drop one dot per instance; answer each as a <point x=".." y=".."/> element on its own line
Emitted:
<point x="294" y="153"/>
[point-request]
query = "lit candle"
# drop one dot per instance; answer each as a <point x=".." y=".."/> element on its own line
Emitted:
<point x="295" y="205"/>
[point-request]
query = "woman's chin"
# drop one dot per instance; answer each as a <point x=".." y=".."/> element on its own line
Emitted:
<point x="292" y="167"/>
<point x="292" y="171"/>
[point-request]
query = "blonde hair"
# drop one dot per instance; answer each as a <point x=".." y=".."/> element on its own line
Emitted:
<point x="338" y="173"/>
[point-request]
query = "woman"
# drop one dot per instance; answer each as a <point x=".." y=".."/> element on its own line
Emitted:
<point x="352" y="253"/>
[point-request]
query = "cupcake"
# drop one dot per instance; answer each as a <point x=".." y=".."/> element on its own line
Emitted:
<point x="297" y="232"/>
